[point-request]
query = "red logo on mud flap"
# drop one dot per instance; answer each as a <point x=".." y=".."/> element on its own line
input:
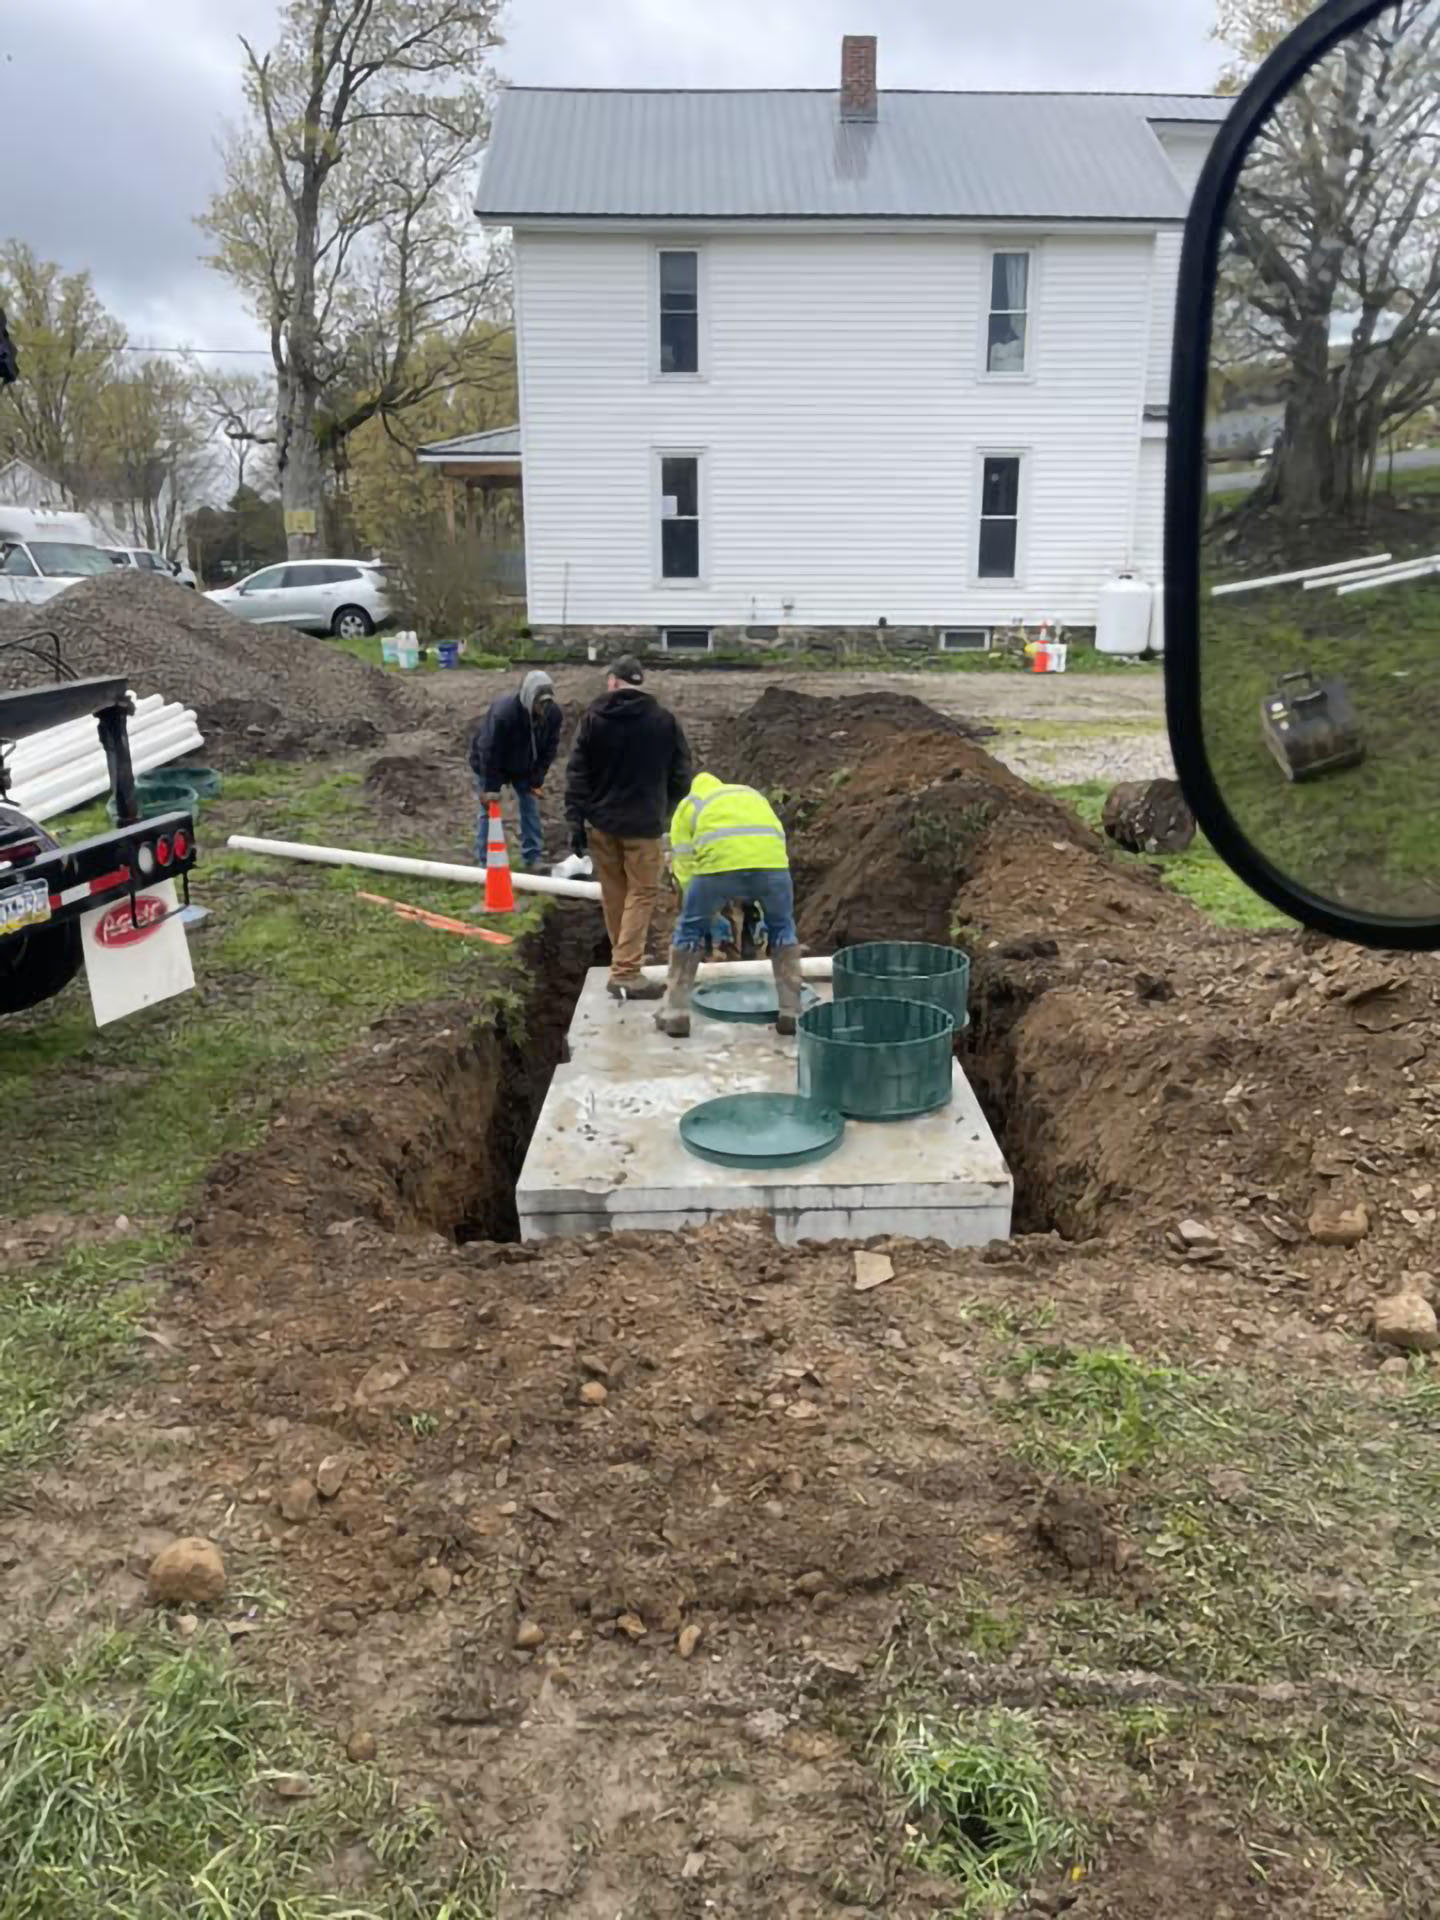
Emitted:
<point x="119" y="928"/>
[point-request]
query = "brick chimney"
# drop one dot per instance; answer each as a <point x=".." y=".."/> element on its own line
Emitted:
<point x="859" y="99"/>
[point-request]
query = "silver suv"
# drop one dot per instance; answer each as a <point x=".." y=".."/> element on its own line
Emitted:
<point x="344" y="597"/>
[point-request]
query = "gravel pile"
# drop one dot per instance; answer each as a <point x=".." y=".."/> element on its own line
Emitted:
<point x="260" y="689"/>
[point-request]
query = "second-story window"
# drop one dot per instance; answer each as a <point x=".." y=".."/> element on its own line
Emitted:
<point x="679" y="311"/>
<point x="1007" y="348"/>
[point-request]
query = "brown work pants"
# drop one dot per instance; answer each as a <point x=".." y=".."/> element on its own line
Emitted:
<point x="629" y="874"/>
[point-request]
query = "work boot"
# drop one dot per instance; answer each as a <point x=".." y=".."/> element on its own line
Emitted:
<point x="637" y="989"/>
<point x="789" y="988"/>
<point x="674" y="1018"/>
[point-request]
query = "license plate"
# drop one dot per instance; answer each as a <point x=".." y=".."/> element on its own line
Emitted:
<point x="27" y="905"/>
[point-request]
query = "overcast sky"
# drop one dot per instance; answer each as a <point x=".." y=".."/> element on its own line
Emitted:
<point x="110" y="109"/>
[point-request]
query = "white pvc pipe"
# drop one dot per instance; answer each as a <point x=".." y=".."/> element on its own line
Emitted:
<point x="60" y="753"/>
<point x="75" y="733"/>
<point x="820" y="968"/>
<point x="1392" y="577"/>
<point x="400" y="863"/>
<point x="154" y="752"/>
<point x="1305" y="573"/>
<point x="92" y="787"/>
<point x="41" y="788"/>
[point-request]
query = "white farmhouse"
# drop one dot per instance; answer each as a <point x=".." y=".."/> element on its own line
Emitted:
<point x="827" y="362"/>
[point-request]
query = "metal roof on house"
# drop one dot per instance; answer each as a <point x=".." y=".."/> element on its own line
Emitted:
<point x="501" y="443"/>
<point x="575" y="154"/>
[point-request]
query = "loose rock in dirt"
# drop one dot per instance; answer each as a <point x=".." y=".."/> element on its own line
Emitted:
<point x="1405" y="1320"/>
<point x="187" y="1573"/>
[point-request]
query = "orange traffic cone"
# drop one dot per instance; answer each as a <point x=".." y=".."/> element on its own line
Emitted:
<point x="499" y="889"/>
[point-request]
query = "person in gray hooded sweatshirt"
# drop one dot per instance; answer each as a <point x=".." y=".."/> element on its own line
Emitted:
<point x="514" y="745"/>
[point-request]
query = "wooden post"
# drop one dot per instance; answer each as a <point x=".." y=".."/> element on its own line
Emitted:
<point x="450" y="486"/>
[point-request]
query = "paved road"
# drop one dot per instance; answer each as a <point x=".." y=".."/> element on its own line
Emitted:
<point x="1415" y="462"/>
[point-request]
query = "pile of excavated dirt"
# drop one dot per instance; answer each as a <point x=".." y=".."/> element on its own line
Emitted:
<point x="792" y="742"/>
<point x="256" y="690"/>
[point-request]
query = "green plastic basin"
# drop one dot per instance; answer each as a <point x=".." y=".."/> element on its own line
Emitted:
<point x="906" y="970"/>
<point x="877" y="1059"/>
<point x="156" y="794"/>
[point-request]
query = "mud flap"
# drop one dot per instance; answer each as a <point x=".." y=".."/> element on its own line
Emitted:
<point x="134" y="959"/>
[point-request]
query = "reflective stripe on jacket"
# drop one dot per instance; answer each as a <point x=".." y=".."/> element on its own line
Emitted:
<point x="720" y="829"/>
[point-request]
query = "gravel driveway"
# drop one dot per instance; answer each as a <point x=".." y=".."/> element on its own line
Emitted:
<point x="1053" y="729"/>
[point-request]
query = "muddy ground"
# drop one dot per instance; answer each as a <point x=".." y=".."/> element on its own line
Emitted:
<point x="632" y="1549"/>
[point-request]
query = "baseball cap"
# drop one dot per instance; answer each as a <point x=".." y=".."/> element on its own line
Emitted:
<point x="628" y="669"/>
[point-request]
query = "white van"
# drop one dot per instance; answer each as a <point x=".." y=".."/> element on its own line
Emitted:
<point x="42" y="553"/>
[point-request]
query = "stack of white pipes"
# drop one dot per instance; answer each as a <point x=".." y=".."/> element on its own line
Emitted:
<point x="65" y="766"/>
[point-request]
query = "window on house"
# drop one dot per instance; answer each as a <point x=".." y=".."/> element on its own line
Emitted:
<point x="680" y="516"/>
<point x="1007" y="349"/>
<point x="679" y="312"/>
<point x="999" y="517"/>
<point x="685" y="639"/>
<point x="965" y="640"/>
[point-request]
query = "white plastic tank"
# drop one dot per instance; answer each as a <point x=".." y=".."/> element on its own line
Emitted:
<point x="1125" y="616"/>
<point x="1157" y="619"/>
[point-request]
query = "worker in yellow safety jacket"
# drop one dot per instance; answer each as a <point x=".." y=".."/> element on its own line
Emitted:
<point x="727" y="843"/>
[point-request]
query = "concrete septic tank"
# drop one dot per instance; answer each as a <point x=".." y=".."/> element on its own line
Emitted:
<point x="606" y="1153"/>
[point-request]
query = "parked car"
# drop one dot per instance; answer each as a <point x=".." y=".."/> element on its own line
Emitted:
<point x="42" y="553"/>
<point x="345" y="597"/>
<point x="147" y="560"/>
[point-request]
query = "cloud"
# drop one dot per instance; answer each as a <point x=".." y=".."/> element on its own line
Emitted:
<point x="117" y="106"/>
<point x="1146" y="45"/>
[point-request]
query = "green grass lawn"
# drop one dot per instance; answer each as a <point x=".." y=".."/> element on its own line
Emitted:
<point x="1201" y="875"/>
<point x="291" y="970"/>
<point x="1369" y="835"/>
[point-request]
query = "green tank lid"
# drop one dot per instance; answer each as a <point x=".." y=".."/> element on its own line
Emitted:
<point x="752" y="1001"/>
<point x="761" y="1130"/>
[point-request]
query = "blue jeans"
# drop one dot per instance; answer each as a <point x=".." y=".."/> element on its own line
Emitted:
<point x="707" y="893"/>
<point x="532" y="842"/>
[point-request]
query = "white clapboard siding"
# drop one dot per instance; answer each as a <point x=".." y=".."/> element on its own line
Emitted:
<point x="1185" y="149"/>
<point x="842" y="416"/>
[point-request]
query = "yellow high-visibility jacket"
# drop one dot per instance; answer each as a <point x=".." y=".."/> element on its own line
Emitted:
<point x="720" y="829"/>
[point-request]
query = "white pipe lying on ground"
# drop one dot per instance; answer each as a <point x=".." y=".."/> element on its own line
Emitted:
<point x="27" y="794"/>
<point x="400" y="863"/>
<point x="1392" y="576"/>
<point x="91" y="787"/>
<point x="1366" y="565"/>
<point x="820" y="968"/>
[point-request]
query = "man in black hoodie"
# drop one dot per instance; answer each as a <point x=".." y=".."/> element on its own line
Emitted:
<point x="629" y="770"/>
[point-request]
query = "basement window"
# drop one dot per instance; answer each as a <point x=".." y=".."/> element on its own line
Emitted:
<point x="686" y="639"/>
<point x="965" y="640"/>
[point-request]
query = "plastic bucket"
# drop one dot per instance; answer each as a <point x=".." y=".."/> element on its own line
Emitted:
<point x="447" y="653"/>
<point x="407" y="652"/>
<point x="877" y="1059"/>
<point x="906" y="970"/>
<point x="389" y="657"/>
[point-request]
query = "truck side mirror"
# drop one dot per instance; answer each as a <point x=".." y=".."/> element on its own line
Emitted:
<point x="1302" y="670"/>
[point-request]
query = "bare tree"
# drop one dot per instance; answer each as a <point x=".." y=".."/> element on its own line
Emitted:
<point x="1331" y="269"/>
<point x="241" y="409"/>
<point x="342" y="215"/>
